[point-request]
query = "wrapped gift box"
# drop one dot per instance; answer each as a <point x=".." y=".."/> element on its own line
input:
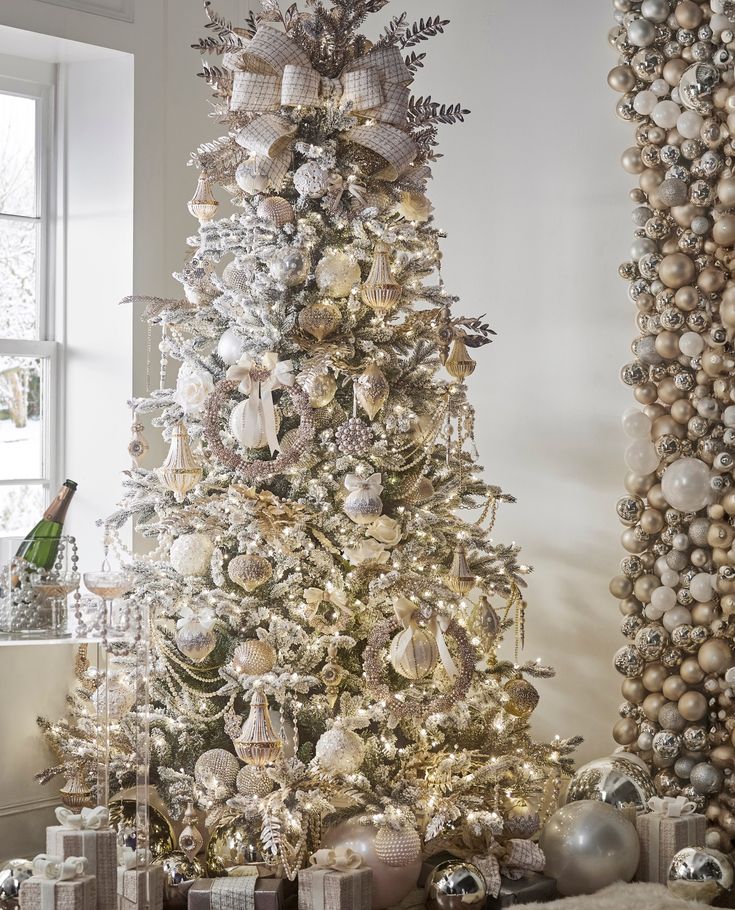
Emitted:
<point x="532" y="887"/>
<point x="100" y="849"/>
<point x="39" y="893"/>
<point x="328" y="889"/>
<point x="661" y="836"/>
<point x="242" y="892"/>
<point x="135" y="886"/>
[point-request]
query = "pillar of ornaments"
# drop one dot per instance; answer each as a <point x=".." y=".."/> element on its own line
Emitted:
<point x="676" y="582"/>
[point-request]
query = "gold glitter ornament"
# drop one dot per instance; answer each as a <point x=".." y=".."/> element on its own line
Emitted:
<point x="216" y="771"/>
<point x="522" y="697"/>
<point x="180" y="472"/>
<point x="320" y="320"/>
<point x="277" y="210"/>
<point x="397" y="847"/>
<point x="459" y="363"/>
<point x="372" y="390"/>
<point x="321" y="389"/>
<point x="460" y="578"/>
<point x="254" y="782"/>
<point x="380" y="291"/>
<point x="203" y="205"/>
<point x="254" y="657"/>
<point x="257" y="743"/>
<point x="250" y="571"/>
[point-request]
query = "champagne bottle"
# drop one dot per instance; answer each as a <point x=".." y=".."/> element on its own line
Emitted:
<point x="41" y="545"/>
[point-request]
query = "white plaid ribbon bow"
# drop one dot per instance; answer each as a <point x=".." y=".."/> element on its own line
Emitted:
<point x="518" y="856"/>
<point x="258" y="380"/>
<point x="405" y="611"/>
<point x="274" y="72"/>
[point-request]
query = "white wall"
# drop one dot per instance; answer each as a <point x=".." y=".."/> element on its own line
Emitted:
<point x="535" y="205"/>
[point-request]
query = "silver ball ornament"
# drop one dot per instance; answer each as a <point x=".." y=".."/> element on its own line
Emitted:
<point x="615" y="779"/>
<point x="705" y="778"/>
<point x="700" y="874"/>
<point x="589" y="845"/>
<point x="454" y="884"/>
<point x="291" y="267"/>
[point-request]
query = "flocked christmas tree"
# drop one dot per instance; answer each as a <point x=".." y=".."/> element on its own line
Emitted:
<point x="326" y="610"/>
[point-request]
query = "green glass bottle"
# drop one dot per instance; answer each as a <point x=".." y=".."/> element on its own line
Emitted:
<point x="41" y="545"/>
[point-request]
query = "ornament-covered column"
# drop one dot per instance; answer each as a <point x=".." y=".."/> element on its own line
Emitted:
<point x="676" y="585"/>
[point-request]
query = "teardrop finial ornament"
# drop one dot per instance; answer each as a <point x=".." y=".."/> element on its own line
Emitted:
<point x="372" y="390"/>
<point x="257" y="743"/>
<point x="203" y="205"/>
<point x="460" y="578"/>
<point x="459" y="364"/>
<point x="380" y="291"/>
<point x="180" y="472"/>
<point x="191" y="840"/>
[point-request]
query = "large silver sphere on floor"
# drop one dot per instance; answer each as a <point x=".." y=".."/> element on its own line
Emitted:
<point x="11" y="878"/>
<point x="455" y="885"/>
<point x="589" y="845"/>
<point x="700" y="874"/>
<point x="616" y="779"/>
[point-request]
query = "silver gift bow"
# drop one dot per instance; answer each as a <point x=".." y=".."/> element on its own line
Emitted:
<point x="274" y="72"/>
<point x="405" y="611"/>
<point x="258" y="380"/>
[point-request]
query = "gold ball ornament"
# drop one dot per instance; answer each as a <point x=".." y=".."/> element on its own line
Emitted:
<point x="692" y="706"/>
<point x="522" y="697"/>
<point x="276" y="210"/>
<point x="254" y="657"/>
<point x="413" y="652"/>
<point x="321" y="389"/>
<point x="179" y="874"/>
<point x="250" y="571"/>
<point x="160" y="832"/>
<point x="715" y="656"/>
<point x="397" y="847"/>
<point x="254" y="782"/>
<point x="232" y="846"/>
<point x="320" y="320"/>
<point x="337" y="273"/>
<point x="677" y="270"/>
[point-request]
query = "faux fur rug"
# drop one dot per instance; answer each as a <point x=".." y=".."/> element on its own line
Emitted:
<point x="636" y="896"/>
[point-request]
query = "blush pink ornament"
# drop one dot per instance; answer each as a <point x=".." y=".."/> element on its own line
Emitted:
<point x="390" y="884"/>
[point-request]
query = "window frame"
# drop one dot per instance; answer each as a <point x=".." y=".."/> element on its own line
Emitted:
<point x="50" y="323"/>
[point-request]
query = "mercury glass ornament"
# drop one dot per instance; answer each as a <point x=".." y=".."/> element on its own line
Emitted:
<point x="320" y="320"/>
<point x="179" y="874"/>
<point x="363" y="505"/>
<point x="413" y="652"/>
<point x="372" y="390"/>
<point x="651" y="641"/>
<point x="203" y="204"/>
<point x="231" y="846"/>
<point x="459" y="364"/>
<point x="340" y="751"/>
<point x="700" y="874"/>
<point x="196" y="640"/>
<point x="615" y="779"/>
<point x="628" y="661"/>
<point x="276" y="210"/>
<point x="254" y="657"/>
<point x="697" y="83"/>
<point x="321" y="389"/>
<point x="254" y="782"/>
<point x="290" y="267"/>
<point x="216" y="771"/>
<point x="666" y="744"/>
<point x="160" y="833"/>
<point x="250" y="571"/>
<point x="380" y="291"/>
<point x="12" y="877"/>
<point x="454" y="884"/>
<point x="257" y="743"/>
<point x="589" y="845"/>
<point x="460" y="578"/>
<point x="337" y="273"/>
<point x="353" y="437"/>
<point x="522" y="697"/>
<point x="521" y="820"/>
<point x="180" y="472"/>
<point x="398" y="847"/>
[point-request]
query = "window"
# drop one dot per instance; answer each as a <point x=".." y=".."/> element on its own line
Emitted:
<point x="29" y="355"/>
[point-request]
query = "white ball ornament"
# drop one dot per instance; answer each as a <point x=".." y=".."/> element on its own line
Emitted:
<point x="669" y="578"/>
<point x="641" y="457"/>
<point x="679" y="616"/>
<point x="691" y="344"/>
<point x="337" y="273"/>
<point x="686" y="484"/>
<point x="663" y="598"/>
<point x="239" y="425"/>
<point x="311" y="180"/>
<point x="644" y="102"/>
<point x="230" y="347"/>
<point x="653" y="612"/>
<point x="660" y="87"/>
<point x="665" y="114"/>
<point x="636" y="424"/>
<point x="700" y="587"/>
<point x="191" y="553"/>
<point x="728" y="416"/>
<point x="340" y="751"/>
<point x="689" y="124"/>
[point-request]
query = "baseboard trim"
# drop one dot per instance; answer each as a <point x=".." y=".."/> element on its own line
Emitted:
<point x="31" y="805"/>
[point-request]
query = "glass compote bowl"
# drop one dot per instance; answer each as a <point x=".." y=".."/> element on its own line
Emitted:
<point x="109" y="584"/>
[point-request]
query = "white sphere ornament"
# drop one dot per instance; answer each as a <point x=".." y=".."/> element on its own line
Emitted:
<point x="641" y="32"/>
<point x="337" y="273"/>
<point x="644" y="102"/>
<point x="686" y="485"/>
<point x="689" y="124"/>
<point x="398" y="847"/>
<point x="665" y="114"/>
<point x="311" y="180"/>
<point x="240" y="426"/>
<point x="663" y="598"/>
<point x="700" y="587"/>
<point x="589" y="845"/>
<point x="190" y="554"/>
<point x="230" y="347"/>
<point x="340" y="751"/>
<point x="413" y="652"/>
<point x="637" y="424"/>
<point x="691" y="344"/>
<point x="679" y="616"/>
<point x="641" y="456"/>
